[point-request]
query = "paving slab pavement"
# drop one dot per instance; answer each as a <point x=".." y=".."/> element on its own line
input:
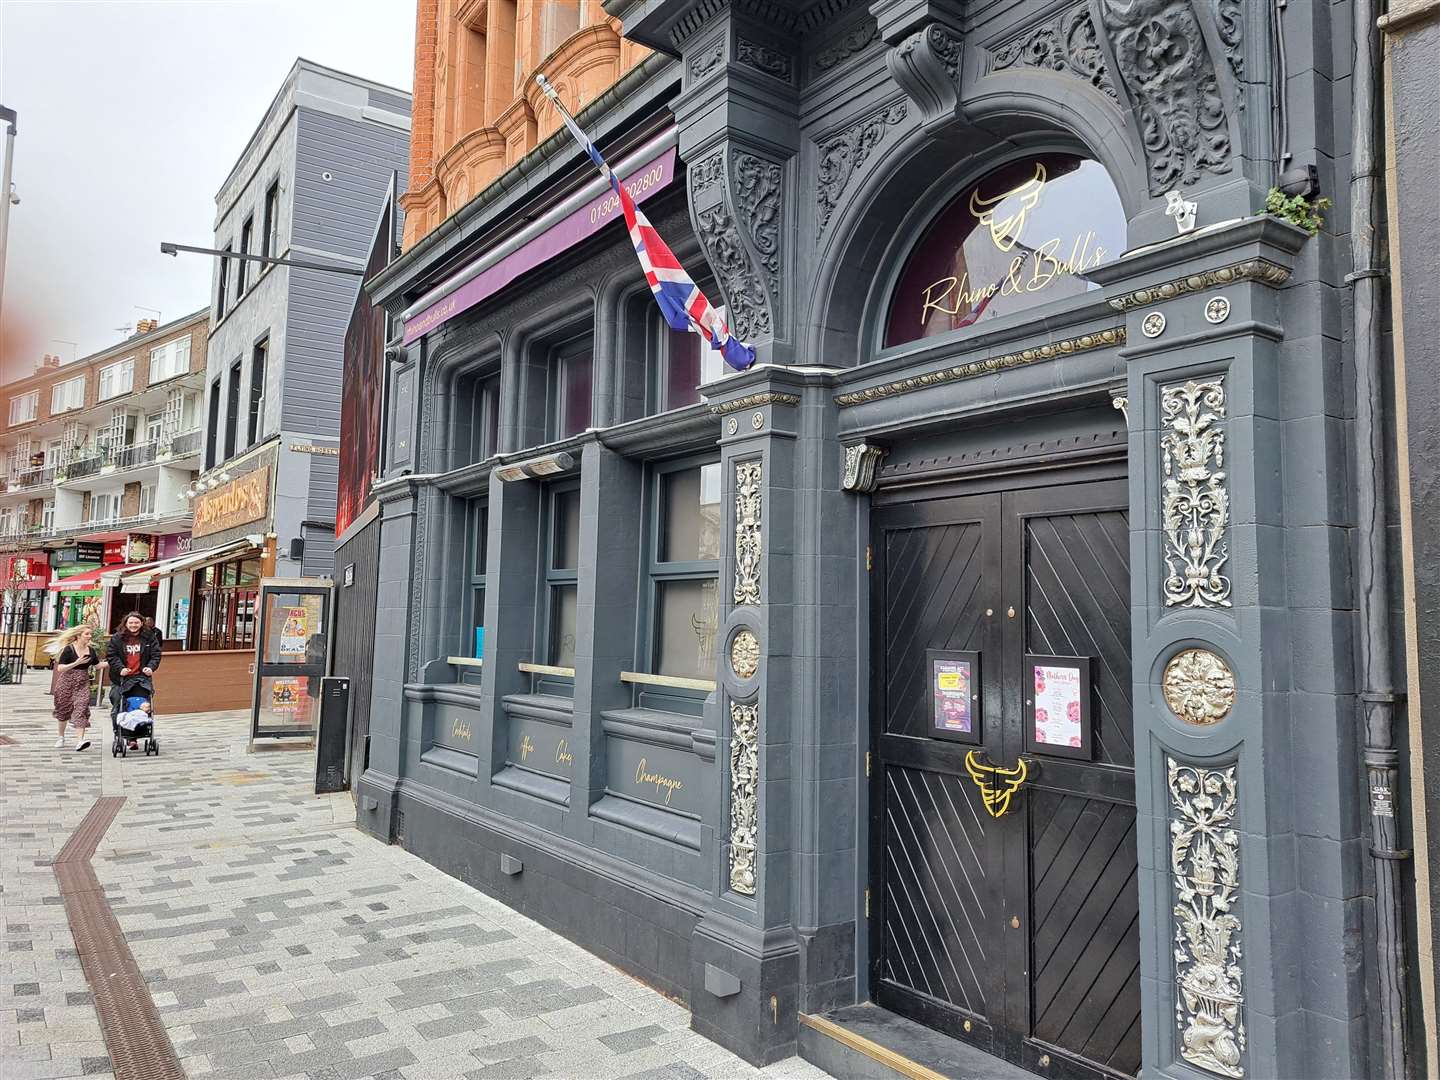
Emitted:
<point x="278" y="941"/>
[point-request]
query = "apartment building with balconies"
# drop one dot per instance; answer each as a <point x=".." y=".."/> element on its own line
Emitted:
<point x="104" y="451"/>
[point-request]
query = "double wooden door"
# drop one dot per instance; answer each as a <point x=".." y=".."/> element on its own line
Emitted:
<point x="1016" y="932"/>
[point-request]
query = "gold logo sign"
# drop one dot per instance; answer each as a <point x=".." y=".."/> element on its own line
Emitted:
<point x="1006" y="231"/>
<point x="241" y="501"/>
<point x="1031" y="268"/>
<point x="997" y="786"/>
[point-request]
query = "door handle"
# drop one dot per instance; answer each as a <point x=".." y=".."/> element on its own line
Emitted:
<point x="997" y="784"/>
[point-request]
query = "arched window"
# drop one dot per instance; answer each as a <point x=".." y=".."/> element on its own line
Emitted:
<point x="1024" y="234"/>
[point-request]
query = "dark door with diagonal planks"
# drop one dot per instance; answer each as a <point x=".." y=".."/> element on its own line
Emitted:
<point x="1019" y="932"/>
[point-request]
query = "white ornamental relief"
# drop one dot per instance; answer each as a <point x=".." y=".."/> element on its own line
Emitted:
<point x="1195" y="507"/>
<point x="744" y="776"/>
<point x="747" y="532"/>
<point x="1205" y="864"/>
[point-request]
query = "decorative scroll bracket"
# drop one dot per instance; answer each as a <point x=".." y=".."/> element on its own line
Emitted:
<point x="862" y="467"/>
<point x="926" y="65"/>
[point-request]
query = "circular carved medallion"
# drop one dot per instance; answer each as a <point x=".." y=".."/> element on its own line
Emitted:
<point x="1217" y="310"/>
<point x="1199" y="686"/>
<point x="745" y="654"/>
<point x="1153" y="325"/>
<point x="757" y="420"/>
<point x="732" y="425"/>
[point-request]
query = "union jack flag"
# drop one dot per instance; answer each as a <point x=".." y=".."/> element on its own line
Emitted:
<point x="682" y="303"/>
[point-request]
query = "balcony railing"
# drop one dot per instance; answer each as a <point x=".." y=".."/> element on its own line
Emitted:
<point x="31" y="535"/>
<point x="89" y="464"/>
<point x="31" y="478"/>
<point x="186" y="444"/>
<point x="133" y="457"/>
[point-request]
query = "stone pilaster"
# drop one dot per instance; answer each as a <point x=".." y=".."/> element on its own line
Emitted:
<point x="1242" y="731"/>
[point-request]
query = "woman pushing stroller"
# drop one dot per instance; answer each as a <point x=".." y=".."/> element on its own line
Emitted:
<point x="132" y="656"/>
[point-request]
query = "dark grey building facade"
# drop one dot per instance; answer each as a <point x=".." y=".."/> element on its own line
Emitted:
<point x="1002" y="648"/>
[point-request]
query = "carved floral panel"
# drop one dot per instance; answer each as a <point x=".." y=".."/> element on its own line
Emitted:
<point x="744" y="778"/>
<point x="747" y="531"/>
<point x="1205" y="866"/>
<point x="1195" y="503"/>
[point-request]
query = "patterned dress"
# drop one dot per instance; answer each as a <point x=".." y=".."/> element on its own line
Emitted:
<point x="72" y="689"/>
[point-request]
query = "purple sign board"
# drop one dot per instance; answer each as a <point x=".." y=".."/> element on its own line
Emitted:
<point x="169" y="547"/>
<point x="564" y="234"/>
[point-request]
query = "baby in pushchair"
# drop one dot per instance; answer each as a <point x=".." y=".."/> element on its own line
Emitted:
<point x="132" y="716"/>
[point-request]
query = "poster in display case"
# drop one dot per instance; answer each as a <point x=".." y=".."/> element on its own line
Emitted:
<point x="1057" y="706"/>
<point x="953" y="684"/>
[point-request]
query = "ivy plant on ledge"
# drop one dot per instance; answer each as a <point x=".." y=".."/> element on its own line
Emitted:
<point x="1298" y="210"/>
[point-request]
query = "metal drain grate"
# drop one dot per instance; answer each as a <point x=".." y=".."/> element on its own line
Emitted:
<point x="134" y="1034"/>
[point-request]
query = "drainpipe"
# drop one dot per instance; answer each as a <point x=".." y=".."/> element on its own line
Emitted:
<point x="1377" y="693"/>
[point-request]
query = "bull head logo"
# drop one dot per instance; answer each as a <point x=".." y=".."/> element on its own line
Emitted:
<point x="1006" y="231"/>
<point x="997" y="786"/>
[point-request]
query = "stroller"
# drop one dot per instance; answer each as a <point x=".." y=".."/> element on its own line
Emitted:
<point x="124" y="697"/>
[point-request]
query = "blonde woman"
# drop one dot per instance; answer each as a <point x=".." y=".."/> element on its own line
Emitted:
<point x="74" y="657"/>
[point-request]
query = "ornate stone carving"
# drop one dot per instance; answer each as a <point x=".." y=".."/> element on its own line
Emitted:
<point x="749" y="310"/>
<point x="1261" y="270"/>
<point x="749" y="401"/>
<point x="847" y="45"/>
<point x="1199" y="687"/>
<point x="1205" y="862"/>
<point x="707" y="173"/>
<point x="744" y="779"/>
<point x="1067" y="43"/>
<point x="763" y="58"/>
<point x="1164" y="64"/>
<point x="758" y="202"/>
<point x="927" y="67"/>
<point x="1230" y="26"/>
<point x="974" y="368"/>
<point x="748" y="475"/>
<point x="861" y="464"/>
<point x="708" y="59"/>
<point x="1121" y="402"/>
<point x="745" y="654"/>
<point x="843" y="155"/>
<point x="1195" y="505"/>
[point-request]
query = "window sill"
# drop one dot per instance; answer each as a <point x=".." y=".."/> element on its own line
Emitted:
<point x="548" y="707"/>
<point x="442" y="757"/>
<point x="465" y="661"/>
<point x="672" y="681"/>
<point x="545" y="788"/>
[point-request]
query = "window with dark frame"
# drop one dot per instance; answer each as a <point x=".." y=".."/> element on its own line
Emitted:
<point x="212" y="429"/>
<point x="682" y="363"/>
<point x="247" y="236"/>
<point x="684" y="569"/>
<point x="571" y="383"/>
<point x="562" y="563"/>
<point x="479" y="526"/>
<point x="271" y="222"/>
<point x="224" y="284"/>
<point x="232" y="410"/>
<point x="477" y="418"/>
<point x="257" y="390"/>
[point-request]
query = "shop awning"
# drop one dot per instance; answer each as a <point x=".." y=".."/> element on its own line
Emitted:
<point x="102" y="578"/>
<point x="182" y="564"/>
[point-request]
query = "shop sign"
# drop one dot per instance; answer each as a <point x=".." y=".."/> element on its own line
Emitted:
<point x="647" y="180"/>
<point x="660" y="776"/>
<point x="169" y="547"/>
<point x="532" y="744"/>
<point x="84" y="552"/>
<point x="139" y="548"/>
<point x="113" y="552"/>
<point x="27" y="571"/>
<point x="241" y="501"/>
<point x="1025" y="234"/>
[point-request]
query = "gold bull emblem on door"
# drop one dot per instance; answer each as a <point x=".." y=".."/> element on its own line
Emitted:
<point x="997" y="785"/>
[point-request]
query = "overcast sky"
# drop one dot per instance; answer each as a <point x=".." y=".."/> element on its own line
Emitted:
<point x="130" y="116"/>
